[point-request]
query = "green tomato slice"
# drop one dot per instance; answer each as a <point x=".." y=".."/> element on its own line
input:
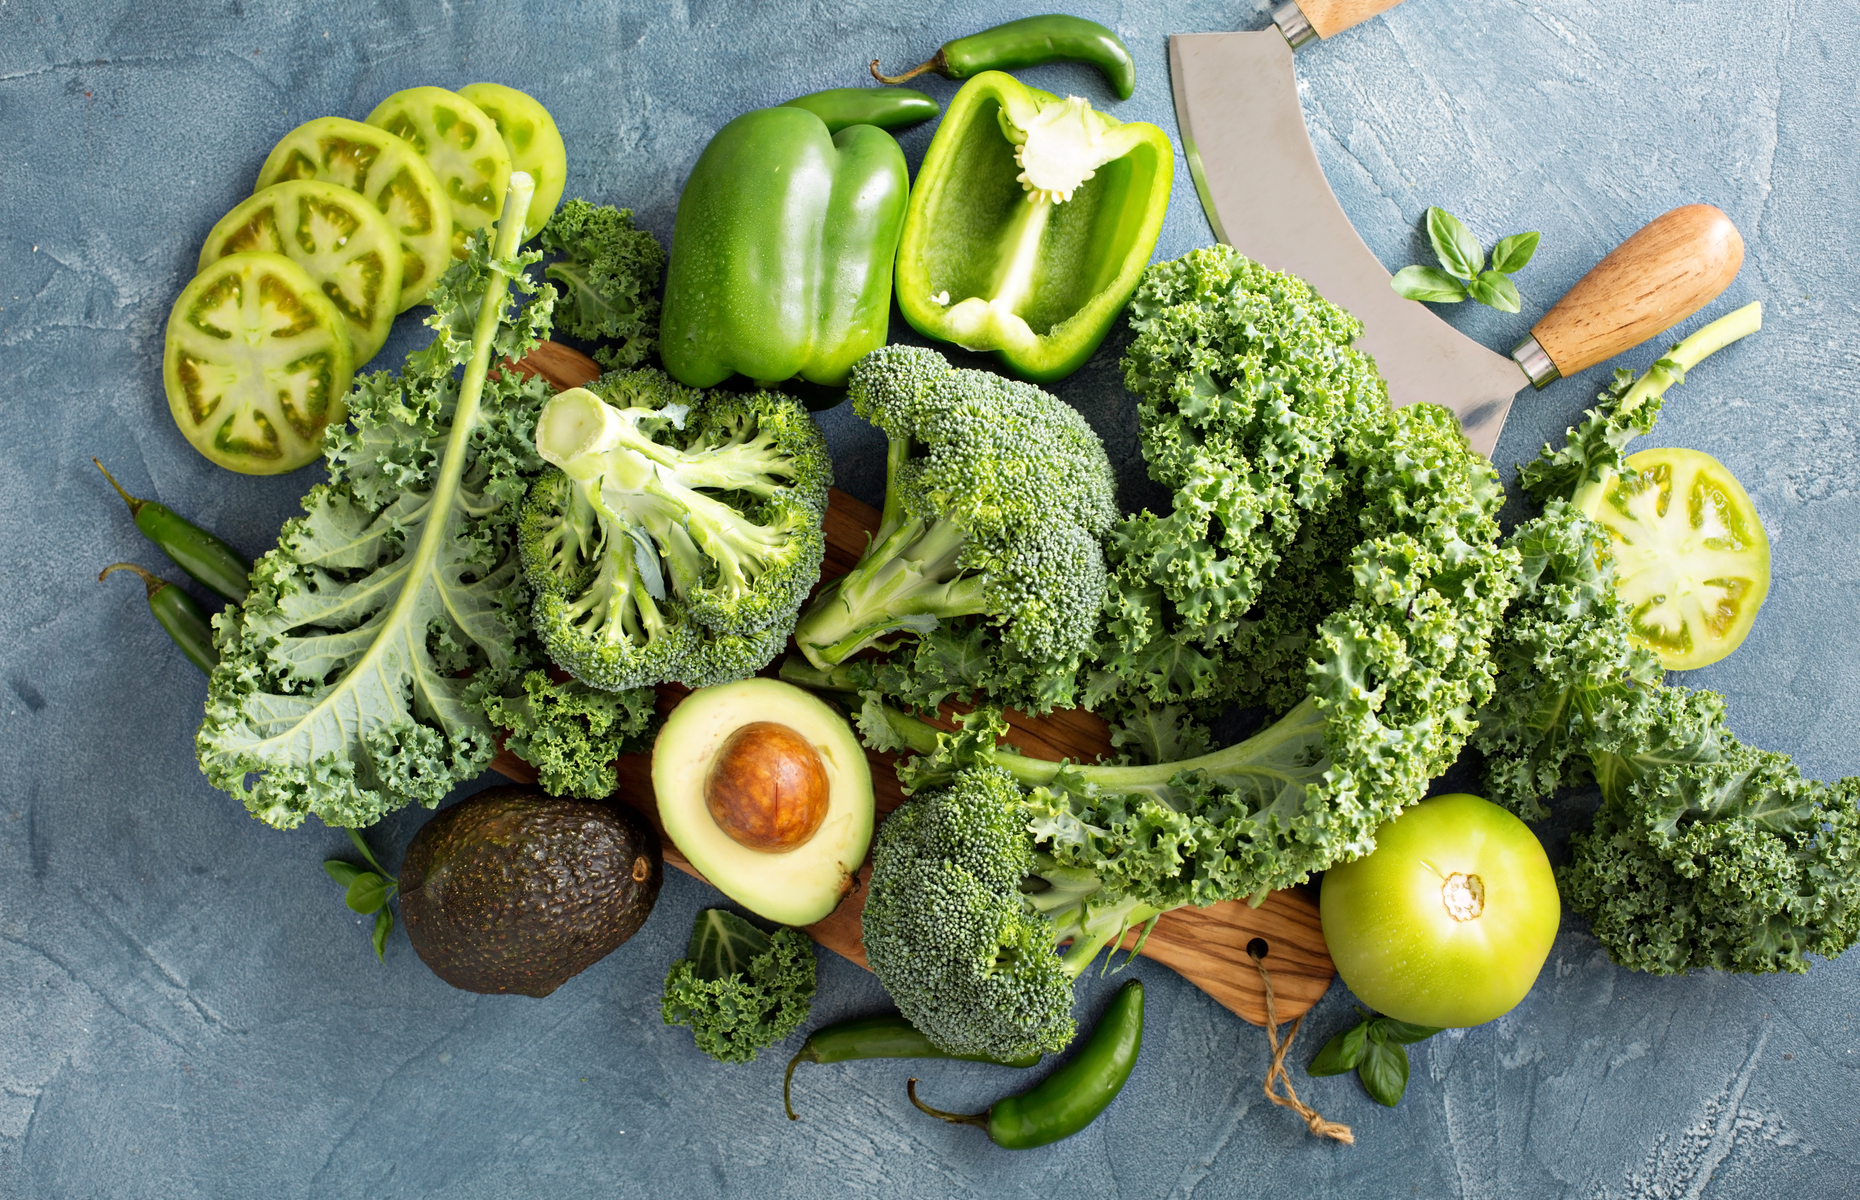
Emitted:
<point x="534" y="142"/>
<point x="1692" y="562"/>
<point x="256" y="364"/>
<point x="336" y="235"/>
<point x="462" y="146"/>
<point x="388" y="171"/>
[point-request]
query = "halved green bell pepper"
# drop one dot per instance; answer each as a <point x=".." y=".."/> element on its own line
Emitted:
<point x="1031" y="221"/>
<point x="782" y="251"/>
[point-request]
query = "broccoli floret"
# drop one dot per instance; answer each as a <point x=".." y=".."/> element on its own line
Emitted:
<point x="949" y="933"/>
<point x="986" y="576"/>
<point x="571" y="733"/>
<point x="607" y="274"/>
<point x="679" y="534"/>
<point x="739" y="989"/>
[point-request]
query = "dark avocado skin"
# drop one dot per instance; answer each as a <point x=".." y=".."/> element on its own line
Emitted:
<point x="514" y="890"/>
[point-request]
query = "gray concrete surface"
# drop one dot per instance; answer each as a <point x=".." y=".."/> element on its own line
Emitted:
<point x="187" y="1010"/>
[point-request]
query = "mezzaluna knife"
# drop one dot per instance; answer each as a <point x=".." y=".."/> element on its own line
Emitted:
<point x="1265" y="195"/>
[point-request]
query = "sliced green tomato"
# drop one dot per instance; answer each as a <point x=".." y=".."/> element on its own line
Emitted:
<point x="535" y="145"/>
<point x="336" y="235"/>
<point x="388" y="171"/>
<point x="256" y="364"/>
<point x="462" y="146"/>
<point x="1692" y="562"/>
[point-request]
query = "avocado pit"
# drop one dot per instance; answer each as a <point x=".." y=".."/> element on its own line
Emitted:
<point x="767" y="788"/>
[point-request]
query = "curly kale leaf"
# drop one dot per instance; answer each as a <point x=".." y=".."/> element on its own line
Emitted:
<point x="608" y="273"/>
<point x="739" y="989"/>
<point x="571" y="733"/>
<point x="1318" y="543"/>
<point x="351" y="681"/>
<point x="1704" y="852"/>
<point x="1708" y="853"/>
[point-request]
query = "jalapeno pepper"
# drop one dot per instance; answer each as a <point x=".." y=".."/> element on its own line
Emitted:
<point x="1030" y="42"/>
<point x="887" y="108"/>
<point x="875" y="1037"/>
<point x="191" y="548"/>
<point x="179" y="615"/>
<point x="1072" y="1097"/>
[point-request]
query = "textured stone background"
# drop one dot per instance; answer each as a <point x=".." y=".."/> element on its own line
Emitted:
<point x="187" y="1010"/>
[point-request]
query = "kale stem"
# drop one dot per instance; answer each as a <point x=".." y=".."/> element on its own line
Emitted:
<point x="1657" y="378"/>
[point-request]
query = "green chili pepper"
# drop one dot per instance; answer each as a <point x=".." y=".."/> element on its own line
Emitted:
<point x="1030" y="42"/>
<point x="1072" y="1097"/>
<point x="179" y="615"/>
<point x="782" y="251"/>
<point x="887" y="108"/>
<point x="208" y="559"/>
<point x="875" y="1037"/>
<point x="1029" y="225"/>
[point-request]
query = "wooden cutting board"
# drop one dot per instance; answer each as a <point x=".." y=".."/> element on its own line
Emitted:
<point x="1207" y="946"/>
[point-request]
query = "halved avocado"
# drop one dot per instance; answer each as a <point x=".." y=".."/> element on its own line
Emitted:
<point x="766" y="790"/>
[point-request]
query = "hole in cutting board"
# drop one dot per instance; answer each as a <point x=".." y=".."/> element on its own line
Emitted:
<point x="1258" y="948"/>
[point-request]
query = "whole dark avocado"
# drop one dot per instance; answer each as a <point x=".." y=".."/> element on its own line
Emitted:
<point x="514" y="890"/>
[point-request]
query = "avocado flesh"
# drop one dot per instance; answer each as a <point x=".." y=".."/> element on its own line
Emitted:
<point x="795" y="887"/>
<point x="513" y="890"/>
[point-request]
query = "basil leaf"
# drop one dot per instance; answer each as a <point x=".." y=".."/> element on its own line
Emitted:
<point x="1403" y="1032"/>
<point x="1340" y="1053"/>
<point x="1384" y="1072"/>
<point x="1428" y="283"/>
<point x="1495" y="291"/>
<point x="367" y="893"/>
<point x="1513" y="253"/>
<point x="1455" y="245"/>
<point x="342" y="872"/>
<point x="384" y="924"/>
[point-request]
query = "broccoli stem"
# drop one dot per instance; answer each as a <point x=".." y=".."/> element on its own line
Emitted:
<point x="1670" y="369"/>
<point x="1271" y="756"/>
<point x="908" y="580"/>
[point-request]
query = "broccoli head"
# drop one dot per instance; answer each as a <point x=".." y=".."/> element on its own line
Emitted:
<point x="948" y="931"/>
<point x="986" y="577"/>
<point x="607" y="275"/>
<point x="739" y="989"/>
<point x="679" y="533"/>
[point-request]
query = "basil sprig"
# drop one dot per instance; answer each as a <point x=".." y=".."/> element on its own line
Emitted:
<point x="367" y="891"/>
<point x="1463" y="271"/>
<point x="1373" y="1049"/>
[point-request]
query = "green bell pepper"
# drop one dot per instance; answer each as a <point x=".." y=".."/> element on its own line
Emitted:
<point x="782" y="251"/>
<point x="1031" y="222"/>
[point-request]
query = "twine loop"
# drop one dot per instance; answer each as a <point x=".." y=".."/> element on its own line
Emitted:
<point x="1277" y="1074"/>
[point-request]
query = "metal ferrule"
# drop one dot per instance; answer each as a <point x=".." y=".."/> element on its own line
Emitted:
<point x="1291" y="22"/>
<point x="1536" y="364"/>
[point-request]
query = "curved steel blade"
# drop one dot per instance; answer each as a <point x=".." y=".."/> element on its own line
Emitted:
<point x="1266" y="196"/>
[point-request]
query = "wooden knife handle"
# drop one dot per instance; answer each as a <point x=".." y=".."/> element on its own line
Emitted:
<point x="1675" y="265"/>
<point x="1335" y="16"/>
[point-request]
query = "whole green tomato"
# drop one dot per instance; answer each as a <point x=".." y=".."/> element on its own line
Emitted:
<point x="1450" y="919"/>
